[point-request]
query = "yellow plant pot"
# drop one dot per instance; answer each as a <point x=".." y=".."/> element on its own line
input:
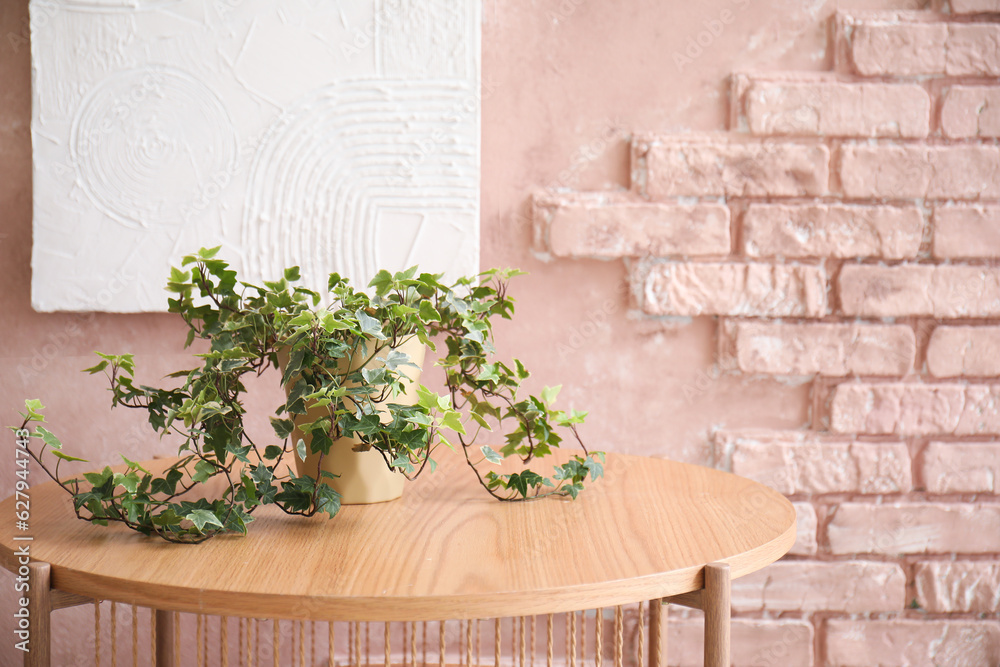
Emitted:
<point x="364" y="477"/>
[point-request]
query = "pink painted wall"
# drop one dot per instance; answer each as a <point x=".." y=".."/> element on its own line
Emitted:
<point x="567" y="84"/>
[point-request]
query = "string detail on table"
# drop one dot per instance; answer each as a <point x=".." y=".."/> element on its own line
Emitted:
<point x="619" y="631"/>
<point x="114" y="634"/>
<point x="548" y="644"/>
<point x="630" y="645"/>
<point x="388" y="645"/>
<point x="520" y="634"/>
<point x="599" y="638"/>
<point x="413" y="643"/>
<point x="441" y="642"/>
<point x="642" y="637"/>
<point x="276" y="646"/>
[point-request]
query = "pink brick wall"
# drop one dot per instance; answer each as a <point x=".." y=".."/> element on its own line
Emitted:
<point x="844" y="233"/>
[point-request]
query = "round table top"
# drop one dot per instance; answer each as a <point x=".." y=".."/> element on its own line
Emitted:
<point x="446" y="549"/>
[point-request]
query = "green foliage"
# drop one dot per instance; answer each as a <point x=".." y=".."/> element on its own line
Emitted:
<point x="327" y="351"/>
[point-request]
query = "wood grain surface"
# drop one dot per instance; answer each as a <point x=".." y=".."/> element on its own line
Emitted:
<point x="444" y="550"/>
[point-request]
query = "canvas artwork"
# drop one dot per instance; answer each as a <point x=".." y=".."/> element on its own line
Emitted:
<point x="338" y="136"/>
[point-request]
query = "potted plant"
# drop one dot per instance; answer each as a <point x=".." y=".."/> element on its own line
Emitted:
<point x="346" y="360"/>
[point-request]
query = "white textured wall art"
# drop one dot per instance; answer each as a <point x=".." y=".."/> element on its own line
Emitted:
<point x="339" y="136"/>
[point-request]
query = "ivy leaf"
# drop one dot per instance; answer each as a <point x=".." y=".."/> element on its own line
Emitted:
<point x="202" y="471"/>
<point x="395" y="359"/>
<point x="488" y="373"/>
<point x="167" y="517"/>
<point x="369" y="325"/>
<point x="101" y="365"/>
<point x="491" y="455"/>
<point x="549" y="394"/>
<point x="453" y="420"/>
<point x="428" y="313"/>
<point x="201" y="518"/>
<point x="292" y="273"/>
<point x="518" y="483"/>
<point x="67" y="457"/>
<point x="430" y="400"/>
<point x="48" y="437"/>
<point x="133" y="464"/>
<point x="382" y="282"/>
<point x="594" y="466"/>
<point x="300" y="449"/>
<point x="481" y="420"/>
<point x="249" y="489"/>
<point x="98" y="479"/>
<point x="531" y="478"/>
<point x="34" y="408"/>
<point x="331" y="323"/>
<point x="128" y="482"/>
<point x="282" y="428"/>
<point x="169" y="484"/>
<point x="304" y="318"/>
<point x="327" y="500"/>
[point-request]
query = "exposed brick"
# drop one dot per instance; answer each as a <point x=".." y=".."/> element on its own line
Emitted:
<point x="971" y="111"/>
<point x="817" y="349"/>
<point x="973" y="49"/>
<point x="966" y="231"/>
<point x="880" y="48"/>
<point x="969" y="351"/>
<point x="974" y="6"/>
<point x="682" y="167"/>
<point x="749" y="289"/>
<point x="836" y="108"/>
<point x="755" y="643"/>
<point x="916" y="409"/>
<point x="798" y="462"/>
<point x="849" y="587"/>
<point x="947" y="291"/>
<point x="832" y="230"/>
<point x="962" y="467"/>
<point x="914" y="528"/>
<point x="609" y="227"/>
<point x="962" y="586"/>
<point x="906" y="643"/>
<point x="904" y="45"/>
<point x="805" y="530"/>
<point x="916" y="171"/>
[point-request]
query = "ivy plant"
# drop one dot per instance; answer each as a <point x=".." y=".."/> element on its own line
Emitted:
<point x="324" y="342"/>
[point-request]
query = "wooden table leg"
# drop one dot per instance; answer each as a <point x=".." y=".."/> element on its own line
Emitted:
<point x="39" y="615"/>
<point x="716" y="601"/>
<point x="165" y="639"/>
<point x="657" y="633"/>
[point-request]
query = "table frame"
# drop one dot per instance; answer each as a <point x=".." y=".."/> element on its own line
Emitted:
<point x="714" y="599"/>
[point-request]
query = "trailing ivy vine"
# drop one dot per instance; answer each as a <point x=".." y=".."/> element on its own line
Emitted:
<point x="322" y="345"/>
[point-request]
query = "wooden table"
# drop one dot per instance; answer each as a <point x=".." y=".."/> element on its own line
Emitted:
<point x="650" y="530"/>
